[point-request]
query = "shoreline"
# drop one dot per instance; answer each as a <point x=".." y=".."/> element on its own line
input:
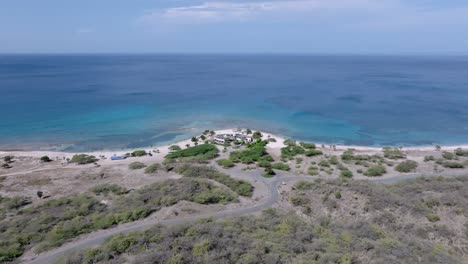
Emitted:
<point x="182" y="143"/>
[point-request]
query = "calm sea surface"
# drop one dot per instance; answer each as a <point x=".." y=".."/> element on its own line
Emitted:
<point x="88" y="102"/>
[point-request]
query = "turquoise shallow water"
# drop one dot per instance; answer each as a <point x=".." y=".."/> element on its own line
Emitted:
<point x="88" y="102"/>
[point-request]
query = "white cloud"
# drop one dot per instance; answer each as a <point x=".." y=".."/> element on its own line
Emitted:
<point x="243" y="11"/>
<point x="371" y="15"/>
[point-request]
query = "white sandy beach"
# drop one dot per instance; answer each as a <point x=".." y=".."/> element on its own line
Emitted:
<point x="163" y="150"/>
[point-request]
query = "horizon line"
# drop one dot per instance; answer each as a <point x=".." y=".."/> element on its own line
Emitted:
<point x="246" y="53"/>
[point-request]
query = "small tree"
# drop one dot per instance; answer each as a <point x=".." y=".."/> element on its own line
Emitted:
<point x="257" y="135"/>
<point x="40" y="194"/>
<point x="45" y="159"/>
<point x="269" y="172"/>
<point x="139" y="153"/>
<point x="194" y="139"/>
<point x="249" y="131"/>
<point x="8" y="159"/>
<point x="202" y="137"/>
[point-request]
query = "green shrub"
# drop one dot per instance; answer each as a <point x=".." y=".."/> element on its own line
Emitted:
<point x="8" y="159"/>
<point x="406" y="166"/>
<point x="289" y="142"/>
<point x="139" y="153"/>
<point x="200" y="152"/>
<point x="429" y="158"/>
<point x="252" y="154"/>
<point x="461" y="152"/>
<point x="453" y="165"/>
<point x="393" y="153"/>
<point x="290" y="152"/>
<point x="174" y="148"/>
<point x="153" y="168"/>
<point x="240" y="187"/>
<point x="375" y="170"/>
<point x="264" y="164"/>
<point x="432" y="217"/>
<point x="313" y="152"/>
<point x="109" y="188"/>
<point x="280" y="166"/>
<point x="312" y="171"/>
<point x="334" y="160"/>
<point x="257" y="135"/>
<point x="136" y="165"/>
<point x="50" y="224"/>
<point x="267" y="158"/>
<point x="324" y="163"/>
<point x="348" y="155"/>
<point x="346" y="173"/>
<point x="225" y="163"/>
<point x="304" y="185"/>
<point x="448" y="155"/>
<point x="298" y="200"/>
<point x="83" y="159"/>
<point x="307" y="145"/>
<point x="269" y="172"/>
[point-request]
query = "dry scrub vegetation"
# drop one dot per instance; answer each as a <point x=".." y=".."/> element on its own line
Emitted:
<point x="342" y="221"/>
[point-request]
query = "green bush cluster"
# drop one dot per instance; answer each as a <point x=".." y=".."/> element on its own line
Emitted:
<point x="406" y="166"/>
<point x="313" y="152"/>
<point x="109" y="188"/>
<point x="252" y="154"/>
<point x="461" y="152"/>
<point x="327" y="231"/>
<point x="429" y="158"/>
<point x="240" y="187"/>
<point x="375" y="170"/>
<point x="393" y="153"/>
<point x="346" y="173"/>
<point x="200" y="152"/>
<point x="57" y="221"/>
<point x="289" y="152"/>
<point x="136" y="165"/>
<point x="451" y="164"/>
<point x="432" y="217"/>
<point x="153" y="168"/>
<point x="174" y="148"/>
<point x="289" y="142"/>
<point x="280" y="166"/>
<point x="312" y="171"/>
<point x="225" y="163"/>
<point x="257" y="135"/>
<point x="83" y="159"/>
<point x="448" y="155"/>
<point x="307" y="145"/>
<point x="138" y="153"/>
<point x="269" y="172"/>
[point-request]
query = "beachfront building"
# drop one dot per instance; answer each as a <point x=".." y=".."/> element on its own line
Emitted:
<point x="228" y="138"/>
<point x="219" y="139"/>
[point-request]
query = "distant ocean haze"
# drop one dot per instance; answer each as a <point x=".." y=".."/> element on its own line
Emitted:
<point x="88" y="102"/>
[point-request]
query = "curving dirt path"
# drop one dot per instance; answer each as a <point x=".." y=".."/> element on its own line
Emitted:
<point x="273" y="196"/>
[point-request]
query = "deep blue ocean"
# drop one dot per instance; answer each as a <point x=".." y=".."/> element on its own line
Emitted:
<point x="89" y="102"/>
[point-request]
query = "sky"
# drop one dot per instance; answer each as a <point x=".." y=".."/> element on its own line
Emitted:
<point x="228" y="26"/>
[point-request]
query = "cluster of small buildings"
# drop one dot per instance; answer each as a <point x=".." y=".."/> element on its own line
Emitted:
<point x="242" y="136"/>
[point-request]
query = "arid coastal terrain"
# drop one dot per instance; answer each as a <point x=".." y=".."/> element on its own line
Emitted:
<point x="236" y="196"/>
